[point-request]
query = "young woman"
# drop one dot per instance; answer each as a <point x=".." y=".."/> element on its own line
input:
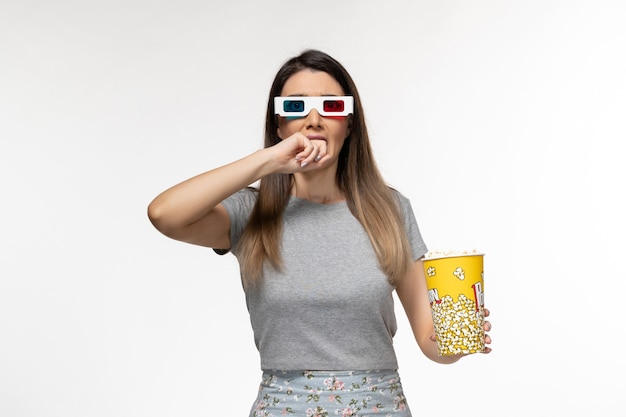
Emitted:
<point x="322" y="244"/>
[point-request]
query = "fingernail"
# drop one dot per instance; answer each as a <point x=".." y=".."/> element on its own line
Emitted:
<point x="304" y="164"/>
<point x="317" y="158"/>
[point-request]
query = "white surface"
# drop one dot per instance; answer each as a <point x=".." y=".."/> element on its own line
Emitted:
<point x="503" y="121"/>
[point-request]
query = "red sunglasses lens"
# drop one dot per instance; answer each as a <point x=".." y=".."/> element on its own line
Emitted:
<point x="333" y="106"/>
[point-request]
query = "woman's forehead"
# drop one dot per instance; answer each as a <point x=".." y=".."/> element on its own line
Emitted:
<point x="309" y="82"/>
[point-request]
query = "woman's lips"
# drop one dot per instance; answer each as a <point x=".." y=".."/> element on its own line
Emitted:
<point x="316" y="137"/>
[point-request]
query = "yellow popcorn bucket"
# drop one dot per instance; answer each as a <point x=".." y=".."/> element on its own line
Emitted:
<point x="455" y="290"/>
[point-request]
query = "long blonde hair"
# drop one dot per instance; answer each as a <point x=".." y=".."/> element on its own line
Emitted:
<point x="367" y="195"/>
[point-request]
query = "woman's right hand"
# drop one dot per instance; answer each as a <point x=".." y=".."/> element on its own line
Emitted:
<point x="297" y="153"/>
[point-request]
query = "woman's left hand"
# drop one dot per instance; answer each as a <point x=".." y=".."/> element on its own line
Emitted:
<point x="487" y="328"/>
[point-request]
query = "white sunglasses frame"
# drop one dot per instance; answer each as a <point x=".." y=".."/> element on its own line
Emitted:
<point x="313" y="102"/>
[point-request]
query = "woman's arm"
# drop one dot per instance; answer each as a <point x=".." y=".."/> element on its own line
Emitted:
<point x="413" y="295"/>
<point x="191" y="211"/>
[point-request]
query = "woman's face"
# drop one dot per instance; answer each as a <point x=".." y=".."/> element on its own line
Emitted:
<point x="333" y="130"/>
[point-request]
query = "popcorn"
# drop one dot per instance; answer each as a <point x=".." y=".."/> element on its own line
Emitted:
<point x="443" y="253"/>
<point x="458" y="326"/>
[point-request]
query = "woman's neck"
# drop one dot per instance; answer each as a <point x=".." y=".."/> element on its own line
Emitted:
<point x="318" y="187"/>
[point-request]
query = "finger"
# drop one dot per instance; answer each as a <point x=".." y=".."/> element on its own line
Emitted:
<point x="322" y="155"/>
<point x="307" y="147"/>
<point x="487" y="349"/>
<point x="313" y="152"/>
<point x="487" y="326"/>
<point x="322" y="148"/>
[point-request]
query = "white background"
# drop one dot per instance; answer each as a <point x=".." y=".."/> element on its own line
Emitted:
<point x="502" y="121"/>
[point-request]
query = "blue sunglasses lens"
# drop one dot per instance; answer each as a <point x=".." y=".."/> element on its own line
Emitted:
<point x="293" y="106"/>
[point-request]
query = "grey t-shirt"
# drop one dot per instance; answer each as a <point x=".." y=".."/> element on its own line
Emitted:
<point x="330" y="307"/>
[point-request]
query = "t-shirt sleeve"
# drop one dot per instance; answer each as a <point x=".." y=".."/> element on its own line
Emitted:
<point x="418" y="246"/>
<point x="238" y="206"/>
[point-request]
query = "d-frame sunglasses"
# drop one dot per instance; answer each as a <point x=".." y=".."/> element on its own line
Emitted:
<point x="300" y="106"/>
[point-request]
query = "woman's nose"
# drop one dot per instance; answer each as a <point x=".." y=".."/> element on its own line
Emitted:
<point x="313" y="119"/>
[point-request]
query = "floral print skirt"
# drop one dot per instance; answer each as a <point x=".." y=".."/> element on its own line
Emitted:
<point x="330" y="393"/>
